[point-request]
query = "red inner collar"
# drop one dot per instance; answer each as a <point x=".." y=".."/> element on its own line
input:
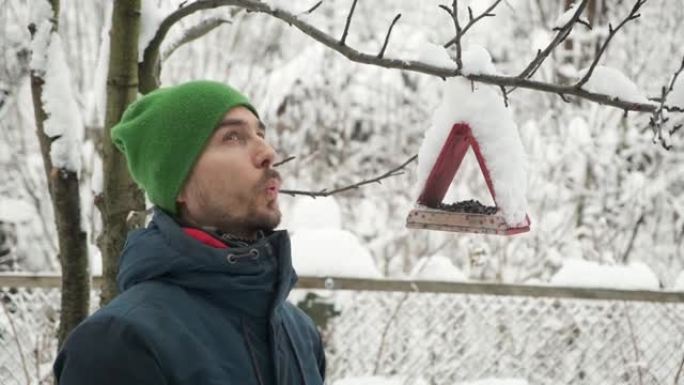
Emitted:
<point x="205" y="238"/>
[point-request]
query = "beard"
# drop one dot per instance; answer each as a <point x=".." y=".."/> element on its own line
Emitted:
<point x="250" y="212"/>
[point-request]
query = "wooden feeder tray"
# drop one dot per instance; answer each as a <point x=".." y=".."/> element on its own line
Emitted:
<point x="428" y="215"/>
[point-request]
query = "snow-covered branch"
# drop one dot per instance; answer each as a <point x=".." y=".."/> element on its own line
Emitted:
<point x="151" y="56"/>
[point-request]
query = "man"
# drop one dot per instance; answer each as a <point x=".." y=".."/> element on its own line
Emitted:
<point x="203" y="287"/>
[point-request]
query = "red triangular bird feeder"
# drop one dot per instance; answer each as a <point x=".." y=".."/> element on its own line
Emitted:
<point x="428" y="215"/>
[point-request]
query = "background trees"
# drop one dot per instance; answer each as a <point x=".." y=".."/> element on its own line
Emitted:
<point x="602" y="185"/>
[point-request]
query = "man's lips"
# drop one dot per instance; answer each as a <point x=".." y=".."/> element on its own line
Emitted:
<point x="272" y="188"/>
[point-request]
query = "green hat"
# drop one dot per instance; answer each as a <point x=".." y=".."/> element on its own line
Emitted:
<point x="163" y="133"/>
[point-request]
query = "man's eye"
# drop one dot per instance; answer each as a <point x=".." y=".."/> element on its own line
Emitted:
<point x="231" y="136"/>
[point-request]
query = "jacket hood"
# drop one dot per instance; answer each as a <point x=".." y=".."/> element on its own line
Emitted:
<point x="253" y="279"/>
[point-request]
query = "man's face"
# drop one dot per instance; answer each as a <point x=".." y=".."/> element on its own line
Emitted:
<point x="232" y="186"/>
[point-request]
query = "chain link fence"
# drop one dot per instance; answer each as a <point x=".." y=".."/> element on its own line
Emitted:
<point x="430" y="333"/>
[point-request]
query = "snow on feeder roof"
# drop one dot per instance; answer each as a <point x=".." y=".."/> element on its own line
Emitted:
<point x="472" y="116"/>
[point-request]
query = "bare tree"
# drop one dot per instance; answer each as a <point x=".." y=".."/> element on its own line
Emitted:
<point x="121" y="196"/>
<point x="63" y="185"/>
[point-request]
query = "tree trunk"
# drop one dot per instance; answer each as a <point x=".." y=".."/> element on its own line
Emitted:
<point x="66" y="203"/>
<point x="121" y="195"/>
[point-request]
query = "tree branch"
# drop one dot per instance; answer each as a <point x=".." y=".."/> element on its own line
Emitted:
<point x="453" y="12"/>
<point x="472" y="21"/>
<point x="407" y="65"/>
<point x="633" y="14"/>
<point x="289" y="158"/>
<point x="346" y="26"/>
<point x="194" y="33"/>
<point x="324" y="193"/>
<point x="389" y="31"/>
<point x="559" y="38"/>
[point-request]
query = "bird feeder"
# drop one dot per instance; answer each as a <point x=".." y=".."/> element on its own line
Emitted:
<point x="430" y="212"/>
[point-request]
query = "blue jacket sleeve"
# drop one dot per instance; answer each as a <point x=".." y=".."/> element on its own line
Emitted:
<point x="106" y="351"/>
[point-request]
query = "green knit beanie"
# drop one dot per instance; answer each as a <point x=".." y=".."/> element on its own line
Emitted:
<point x="163" y="133"/>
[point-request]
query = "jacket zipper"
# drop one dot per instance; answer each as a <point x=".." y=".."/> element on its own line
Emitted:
<point x="255" y="365"/>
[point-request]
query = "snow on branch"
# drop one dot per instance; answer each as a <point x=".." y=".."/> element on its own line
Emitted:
<point x="149" y="77"/>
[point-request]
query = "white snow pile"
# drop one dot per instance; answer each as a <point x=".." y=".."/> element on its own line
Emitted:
<point x="610" y="81"/>
<point x="380" y="380"/>
<point x="493" y="126"/>
<point x="477" y="61"/>
<point x="64" y="120"/>
<point x="321" y="248"/>
<point x="676" y="97"/>
<point x="435" y="55"/>
<point x="331" y="252"/>
<point x="151" y="17"/>
<point x="565" y="17"/>
<point x="679" y="282"/>
<point x="581" y="273"/>
<point x="15" y="210"/>
<point x="41" y="12"/>
<point x="315" y="213"/>
<point x="437" y="268"/>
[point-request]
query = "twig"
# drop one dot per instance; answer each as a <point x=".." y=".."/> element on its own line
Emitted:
<point x="560" y="37"/>
<point x="24" y="365"/>
<point x="658" y="119"/>
<point x="408" y="65"/>
<point x="634" y="343"/>
<point x="324" y="193"/>
<point x="289" y="158"/>
<point x="453" y="12"/>
<point x="635" y="231"/>
<point x="385" y="331"/>
<point x="472" y="21"/>
<point x="346" y="26"/>
<point x="314" y="7"/>
<point x="679" y="371"/>
<point x="633" y="15"/>
<point x="505" y="95"/>
<point x="389" y="31"/>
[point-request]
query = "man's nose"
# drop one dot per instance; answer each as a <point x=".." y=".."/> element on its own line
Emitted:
<point x="266" y="154"/>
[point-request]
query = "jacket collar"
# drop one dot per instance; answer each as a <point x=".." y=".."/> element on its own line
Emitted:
<point x="253" y="279"/>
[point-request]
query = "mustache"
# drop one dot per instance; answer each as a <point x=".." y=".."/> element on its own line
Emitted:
<point x="270" y="174"/>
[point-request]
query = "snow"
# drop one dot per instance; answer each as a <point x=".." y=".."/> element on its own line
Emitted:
<point x="436" y="55"/>
<point x="565" y="17"/>
<point x="64" y="117"/>
<point x="679" y="282"/>
<point x="494" y="128"/>
<point x="477" y="61"/>
<point x="581" y="273"/>
<point x="496" y="381"/>
<point x="39" y="46"/>
<point x="331" y="252"/>
<point x="379" y="380"/>
<point x="676" y="97"/>
<point x="437" y="268"/>
<point x="315" y="214"/>
<point x="15" y="210"/>
<point x="610" y="81"/>
<point x="97" y="101"/>
<point x="151" y="17"/>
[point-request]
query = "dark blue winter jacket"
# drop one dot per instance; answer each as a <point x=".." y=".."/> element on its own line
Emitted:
<point x="192" y="314"/>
